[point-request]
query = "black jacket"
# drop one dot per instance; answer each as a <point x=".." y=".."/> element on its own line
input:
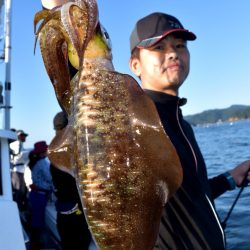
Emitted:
<point x="189" y="219"/>
<point x="65" y="187"/>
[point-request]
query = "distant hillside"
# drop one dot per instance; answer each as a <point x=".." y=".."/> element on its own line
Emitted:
<point x="233" y="113"/>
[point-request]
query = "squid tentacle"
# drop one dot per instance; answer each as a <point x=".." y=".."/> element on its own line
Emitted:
<point x="79" y="24"/>
<point x="46" y="16"/>
<point x="53" y="48"/>
<point x="76" y="35"/>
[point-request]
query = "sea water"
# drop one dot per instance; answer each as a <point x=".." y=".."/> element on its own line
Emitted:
<point x="224" y="145"/>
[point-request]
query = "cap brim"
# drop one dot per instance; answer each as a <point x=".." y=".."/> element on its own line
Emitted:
<point x="22" y="134"/>
<point x="185" y="34"/>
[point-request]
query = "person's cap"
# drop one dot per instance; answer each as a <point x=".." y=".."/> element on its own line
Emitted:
<point x="21" y="132"/>
<point x="60" y="121"/>
<point x="152" y="28"/>
<point x="40" y="147"/>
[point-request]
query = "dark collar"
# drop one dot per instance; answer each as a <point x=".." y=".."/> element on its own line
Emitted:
<point x="164" y="98"/>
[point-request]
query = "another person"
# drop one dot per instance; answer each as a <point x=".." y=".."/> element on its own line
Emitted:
<point x="160" y="58"/>
<point x="71" y="223"/>
<point x="41" y="189"/>
<point x="18" y="159"/>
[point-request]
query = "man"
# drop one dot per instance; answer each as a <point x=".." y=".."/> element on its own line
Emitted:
<point x="18" y="159"/>
<point x="160" y="58"/>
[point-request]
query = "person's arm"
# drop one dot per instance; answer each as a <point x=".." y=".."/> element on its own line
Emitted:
<point x="50" y="4"/>
<point x="230" y="179"/>
<point x="219" y="185"/>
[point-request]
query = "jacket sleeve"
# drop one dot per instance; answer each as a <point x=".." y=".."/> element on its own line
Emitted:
<point x="218" y="185"/>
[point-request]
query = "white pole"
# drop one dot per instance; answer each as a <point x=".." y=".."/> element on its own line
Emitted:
<point x="7" y="63"/>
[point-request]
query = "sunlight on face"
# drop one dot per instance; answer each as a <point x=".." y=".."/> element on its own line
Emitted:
<point x="164" y="66"/>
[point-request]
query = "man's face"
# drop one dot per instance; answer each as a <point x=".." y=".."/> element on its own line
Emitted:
<point x="164" y="66"/>
<point x="22" y="138"/>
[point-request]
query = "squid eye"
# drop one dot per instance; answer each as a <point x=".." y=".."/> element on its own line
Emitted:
<point x="106" y="37"/>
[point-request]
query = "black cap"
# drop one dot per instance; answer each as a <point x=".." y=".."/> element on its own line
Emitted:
<point x="21" y="132"/>
<point x="152" y="28"/>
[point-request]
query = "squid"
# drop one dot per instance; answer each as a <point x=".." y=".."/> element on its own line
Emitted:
<point x="124" y="163"/>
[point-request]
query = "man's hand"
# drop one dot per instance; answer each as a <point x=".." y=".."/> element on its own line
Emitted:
<point x="240" y="171"/>
<point x="50" y="4"/>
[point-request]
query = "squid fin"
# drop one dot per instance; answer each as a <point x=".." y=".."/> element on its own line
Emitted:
<point x="61" y="149"/>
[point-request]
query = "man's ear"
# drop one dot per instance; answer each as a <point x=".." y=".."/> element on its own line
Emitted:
<point x="135" y="66"/>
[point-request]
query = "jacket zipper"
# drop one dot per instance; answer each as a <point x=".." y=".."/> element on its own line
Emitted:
<point x="193" y="153"/>
<point x="196" y="165"/>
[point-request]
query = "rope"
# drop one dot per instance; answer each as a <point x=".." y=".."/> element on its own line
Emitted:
<point x="243" y="185"/>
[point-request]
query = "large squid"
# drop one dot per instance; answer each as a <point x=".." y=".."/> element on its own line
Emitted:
<point x="115" y="146"/>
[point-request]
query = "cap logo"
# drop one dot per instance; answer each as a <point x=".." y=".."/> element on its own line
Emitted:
<point x="174" y="25"/>
<point x="148" y="42"/>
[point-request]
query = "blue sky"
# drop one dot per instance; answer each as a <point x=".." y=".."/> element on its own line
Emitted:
<point x="220" y="57"/>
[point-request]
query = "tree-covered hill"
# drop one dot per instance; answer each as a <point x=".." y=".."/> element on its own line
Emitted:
<point x="233" y="113"/>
